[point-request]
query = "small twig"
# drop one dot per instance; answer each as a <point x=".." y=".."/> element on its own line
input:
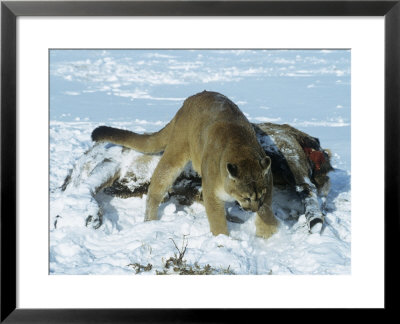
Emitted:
<point x="181" y="251"/>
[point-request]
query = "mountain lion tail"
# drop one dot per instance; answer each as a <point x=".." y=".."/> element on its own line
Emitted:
<point x="146" y="143"/>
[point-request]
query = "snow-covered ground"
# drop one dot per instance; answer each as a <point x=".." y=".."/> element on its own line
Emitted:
<point x="141" y="91"/>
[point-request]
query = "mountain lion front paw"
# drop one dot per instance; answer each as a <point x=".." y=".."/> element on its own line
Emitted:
<point x="266" y="229"/>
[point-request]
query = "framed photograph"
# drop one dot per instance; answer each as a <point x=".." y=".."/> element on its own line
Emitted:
<point x="113" y="118"/>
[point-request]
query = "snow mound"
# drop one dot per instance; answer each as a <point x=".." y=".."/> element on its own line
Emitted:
<point x="81" y="204"/>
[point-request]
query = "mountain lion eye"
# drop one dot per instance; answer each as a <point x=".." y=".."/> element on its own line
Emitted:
<point x="247" y="199"/>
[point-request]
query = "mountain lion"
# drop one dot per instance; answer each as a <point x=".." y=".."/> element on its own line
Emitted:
<point x="210" y="131"/>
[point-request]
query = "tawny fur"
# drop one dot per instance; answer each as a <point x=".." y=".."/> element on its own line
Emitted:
<point x="210" y="131"/>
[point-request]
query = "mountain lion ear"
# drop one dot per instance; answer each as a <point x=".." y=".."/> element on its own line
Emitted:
<point x="232" y="170"/>
<point x="265" y="164"/>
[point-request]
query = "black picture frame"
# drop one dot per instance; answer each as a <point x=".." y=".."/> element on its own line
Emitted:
<point x="10" y="10"/>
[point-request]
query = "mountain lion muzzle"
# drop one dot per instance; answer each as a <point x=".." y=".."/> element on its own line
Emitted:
<point x="210" y="131"/>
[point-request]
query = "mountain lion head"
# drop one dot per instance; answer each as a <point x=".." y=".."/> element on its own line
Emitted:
<point x="248" y="182"/>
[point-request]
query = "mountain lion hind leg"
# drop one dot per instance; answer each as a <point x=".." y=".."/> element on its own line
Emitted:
<point x="167" y="170"/>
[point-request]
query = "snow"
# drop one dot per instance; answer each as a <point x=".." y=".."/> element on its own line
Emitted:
<point x="158" y="81"/>
<point x="125" y="239"/>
